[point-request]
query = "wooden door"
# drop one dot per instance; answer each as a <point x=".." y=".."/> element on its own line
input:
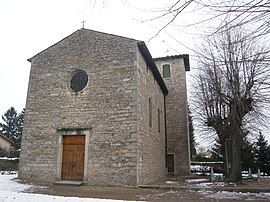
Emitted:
<point x="73" y="157"/>
<point x="170" y="163"/>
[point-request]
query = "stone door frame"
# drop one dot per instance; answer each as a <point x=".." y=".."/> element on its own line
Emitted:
<point x="74" y="131"/>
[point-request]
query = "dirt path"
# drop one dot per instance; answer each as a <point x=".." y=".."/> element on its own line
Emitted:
<point x="201" y="183"/>
<point x="135" y="194"/>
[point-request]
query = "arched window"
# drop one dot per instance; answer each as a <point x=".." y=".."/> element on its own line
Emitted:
<point x="166" y="71"/>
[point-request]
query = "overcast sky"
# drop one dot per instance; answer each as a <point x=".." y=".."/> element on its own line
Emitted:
<point x="30" y="26"/>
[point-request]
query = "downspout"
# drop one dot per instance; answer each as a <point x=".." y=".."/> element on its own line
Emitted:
<point x="166" y="147"/>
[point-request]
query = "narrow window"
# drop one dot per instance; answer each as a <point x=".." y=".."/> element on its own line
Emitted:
<point x="158" y="120"/>
<point x="166" y="71"/>
<point x="150" y="111"/>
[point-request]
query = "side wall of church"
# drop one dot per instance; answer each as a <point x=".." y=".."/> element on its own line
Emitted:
<point x="151" y="140"/>
<point x="177" y="114"/>
<point x="107" y="107"/>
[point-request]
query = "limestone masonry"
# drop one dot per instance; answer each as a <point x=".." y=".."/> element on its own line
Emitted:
<point x="99" y="111"/>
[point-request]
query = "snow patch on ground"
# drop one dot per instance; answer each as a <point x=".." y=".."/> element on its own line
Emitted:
<point x="200" y="168"/>
<point x="159" y="196"/>
<point x="204" y="183"/>
<point x="9" y="183"/>
<point x="196" y="180"/>
<point x="25" y="197"/>
<point x="234" y="195"/>
<point x="12" y="190"/>
<point x="208" y="184"/>
<point x="172" y="182"/>
<point x="7" y="158"/>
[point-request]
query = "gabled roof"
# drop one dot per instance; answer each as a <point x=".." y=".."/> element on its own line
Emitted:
<point x="184" y="56"/>
<point x="5" y="138"/>
<point x="79" y="30"/>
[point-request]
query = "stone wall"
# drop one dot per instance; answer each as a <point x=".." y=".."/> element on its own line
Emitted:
<point x="5" y="146"/>
<point x="9" y="164"/>
<point x="151" y="142"/>
<point x="177" y="114"/>
<point x="106" y="107"/>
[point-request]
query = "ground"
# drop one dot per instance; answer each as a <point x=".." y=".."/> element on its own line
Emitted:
<point x="11" y="189"/>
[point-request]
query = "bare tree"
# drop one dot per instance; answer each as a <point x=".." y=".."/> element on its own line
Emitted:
<point x="232" y="83"/>
<point x="255" y="13"/>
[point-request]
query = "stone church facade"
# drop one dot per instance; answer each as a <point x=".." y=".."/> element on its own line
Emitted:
<point x="102" y="111"/>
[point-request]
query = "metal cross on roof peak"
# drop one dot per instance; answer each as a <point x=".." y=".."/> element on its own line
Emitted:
<point x="83" y="23"/>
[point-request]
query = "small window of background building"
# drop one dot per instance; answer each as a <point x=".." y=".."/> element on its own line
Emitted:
<point x="166" y="71"/>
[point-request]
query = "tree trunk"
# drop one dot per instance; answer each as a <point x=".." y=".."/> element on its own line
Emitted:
<point x="225" y="158"/>
<point x="235" y="174"/>
<point x="232" y="157"/>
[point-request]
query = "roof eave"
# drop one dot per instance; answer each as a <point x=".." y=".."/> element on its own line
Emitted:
<point x="152" y="65"/>
<point x="184" y="56"/>
<point x="4" y="137"/>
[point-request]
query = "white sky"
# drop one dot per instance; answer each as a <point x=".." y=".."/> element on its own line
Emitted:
<point x="30" y="26"/>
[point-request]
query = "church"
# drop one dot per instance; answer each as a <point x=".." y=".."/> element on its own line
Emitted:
<point x="101" y="111"/>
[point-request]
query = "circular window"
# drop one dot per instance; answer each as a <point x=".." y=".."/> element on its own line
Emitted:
<point x="78" y="81"/>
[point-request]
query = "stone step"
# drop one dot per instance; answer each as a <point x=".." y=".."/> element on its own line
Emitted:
<point x="68" y="182"/>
